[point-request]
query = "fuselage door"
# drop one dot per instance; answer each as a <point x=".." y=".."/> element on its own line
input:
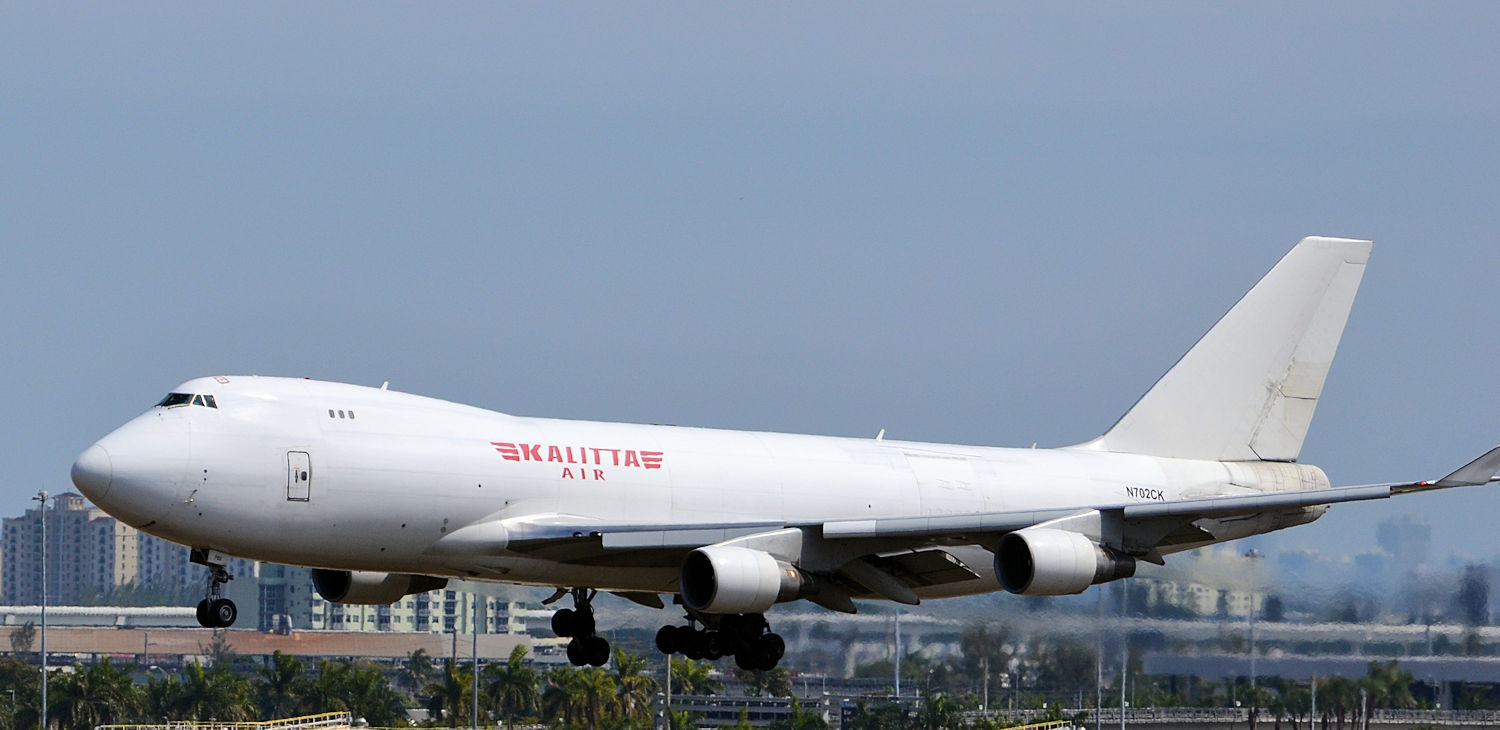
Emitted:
<point x="298" y="476"/>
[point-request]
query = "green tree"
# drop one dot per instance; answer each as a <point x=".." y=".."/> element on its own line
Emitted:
<point x="512" y="687"/>
<point x="22" y="638"/>
<point x="214" y="694"/>
<point x="165" y="698"/>
<point x="1065" y="665"/>
<point x="1337" y="696"/>
<point x="938" y="712"/>
<point x="598" y="690"/>
<point x="694" y="678"/>
<point x="740" y="723"/>
<point x="774" y="683"/>
<point x="446" y="695"/>
<point x="1386" y="685"/>
<point x="417" y="670"/>
<point x="368" y="695"/>
<point x="800" y="719"/>
<point x="281" y="690"/>
<point x="633" y="687"/>
<point x="563" y="695"/>
<point x="883" y="716"/>
<point x="87" y="697"/>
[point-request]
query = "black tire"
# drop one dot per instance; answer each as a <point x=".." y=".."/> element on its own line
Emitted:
<point x="666" y="639"/>
<point x="747" y="660"/>
<point x="768" y="652"/>
<point x="203" y="618"/>
<point x="583" y="622"/>
<point x="576" y="655"/>
<point x="598" y="650"/>
<point x="222" y="613"/>
<point x="692" y="644"/>
<point x="562" y="622"/>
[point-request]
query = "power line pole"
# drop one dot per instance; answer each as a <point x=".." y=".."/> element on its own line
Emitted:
<point x="474" y="632"/>
<point x="41" y="496"/>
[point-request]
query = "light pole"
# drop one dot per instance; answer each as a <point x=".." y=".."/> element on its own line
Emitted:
<point x="41" y="496"/>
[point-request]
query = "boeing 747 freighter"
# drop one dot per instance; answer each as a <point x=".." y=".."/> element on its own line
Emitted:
<point x="387" y="494"/>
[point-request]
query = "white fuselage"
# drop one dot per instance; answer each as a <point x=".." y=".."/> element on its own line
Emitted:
<point x="387" y="475"/>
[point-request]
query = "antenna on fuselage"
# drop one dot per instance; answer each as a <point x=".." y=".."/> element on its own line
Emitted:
<point x="880" y="436"/>
<point x="383" y="385"/>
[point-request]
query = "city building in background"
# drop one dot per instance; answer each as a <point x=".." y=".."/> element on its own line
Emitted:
<point x="94" y="559"/>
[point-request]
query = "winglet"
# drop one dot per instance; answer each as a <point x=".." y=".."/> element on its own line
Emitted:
<point x="1474" y="473"/>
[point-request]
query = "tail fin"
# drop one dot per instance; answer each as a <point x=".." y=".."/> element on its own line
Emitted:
<point x="1247" y="389"/>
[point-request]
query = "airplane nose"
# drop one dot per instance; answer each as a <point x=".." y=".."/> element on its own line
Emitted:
<point x="92" y="473"/>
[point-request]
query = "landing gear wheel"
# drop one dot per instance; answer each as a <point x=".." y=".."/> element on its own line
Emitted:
<point x="214" y="611"/>
<point x="597" y="649"/>
<point x="693" y="644"/>
<point x="667" y="640"/>
<point x="588" y="651"/>
<point x="222" y="613"/>
<point x="578" y="623"/>
<point x="562" y="622"/>
<point x="769" y="649"/>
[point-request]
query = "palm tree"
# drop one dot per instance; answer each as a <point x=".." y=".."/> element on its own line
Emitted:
<point x="1388" y="686"/>
<point x="938" y="712"/>
<point x="164" y="698"/>
<point x="774" y="683"/>
<point x="695" y="678"/>
<point x="25" y="680"/>
<point x="800" y="719"/>
<point x="98" y="695"/>
<point x="598" y="691"/>
<point x="448" y="693"/>
<point x="216" y="694"/>
<point x="512" y="686"/>
<point x="418" y="669"/>
<point x="363" y="689"/>
<point x="282" y="688"/>
<point x="633" y="687"/>
<point x="1342" y="695"/>
<point x="562" y="698"/>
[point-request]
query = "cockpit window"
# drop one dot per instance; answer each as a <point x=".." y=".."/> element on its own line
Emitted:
<point x="183" y="399"/>
<point x="176" y="399"/>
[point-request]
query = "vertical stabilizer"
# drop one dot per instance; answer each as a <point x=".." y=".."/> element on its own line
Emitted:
<point x="1248" y="388"/>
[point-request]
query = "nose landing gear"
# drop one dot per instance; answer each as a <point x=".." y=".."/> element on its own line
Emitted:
<point x="215" y="611"/>
<point x="586" y="648"/>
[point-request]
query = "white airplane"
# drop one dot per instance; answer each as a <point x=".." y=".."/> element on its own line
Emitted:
<point x="387" y="494"/>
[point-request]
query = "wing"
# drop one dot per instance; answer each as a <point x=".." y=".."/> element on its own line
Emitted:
<point x="900" y="557"/>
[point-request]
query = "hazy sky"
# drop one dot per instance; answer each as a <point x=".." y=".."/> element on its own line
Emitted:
<point x="979" y="223"/>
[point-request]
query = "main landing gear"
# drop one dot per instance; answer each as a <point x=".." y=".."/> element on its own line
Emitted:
<point x="215" y="611"/>
<point x="746" y="636"/>
<point x="586" y="648"/>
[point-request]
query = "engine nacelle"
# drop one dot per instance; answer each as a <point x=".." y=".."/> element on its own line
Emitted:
<point x="726" y="579"/>
<point x="361" y="587"/>
<point x="1050" y="562"/>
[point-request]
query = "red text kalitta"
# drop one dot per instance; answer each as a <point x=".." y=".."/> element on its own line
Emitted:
<point x="580" y="456"/>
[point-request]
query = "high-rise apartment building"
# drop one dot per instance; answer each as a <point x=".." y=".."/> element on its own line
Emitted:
<point x="88" y="553"/>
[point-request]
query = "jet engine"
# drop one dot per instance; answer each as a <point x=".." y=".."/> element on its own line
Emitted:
<point x="342" y="586"/>
<point x="726" y="579"/>
<point x="1050" y="562"/>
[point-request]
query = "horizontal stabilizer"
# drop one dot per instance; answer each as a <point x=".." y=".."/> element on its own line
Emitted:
<point x="1476" y="472"/>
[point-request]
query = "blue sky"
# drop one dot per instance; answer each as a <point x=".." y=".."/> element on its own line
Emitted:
<point x="979" y="223"/>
